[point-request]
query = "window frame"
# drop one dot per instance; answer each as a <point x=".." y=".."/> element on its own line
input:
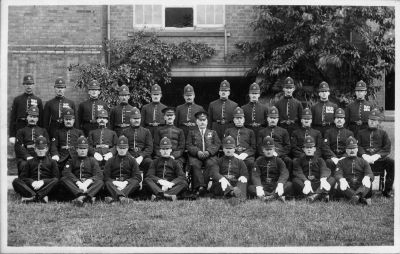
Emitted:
<point x="162" y="25"/>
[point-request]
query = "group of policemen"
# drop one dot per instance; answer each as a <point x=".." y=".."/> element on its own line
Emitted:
<point x="267" y="152"/>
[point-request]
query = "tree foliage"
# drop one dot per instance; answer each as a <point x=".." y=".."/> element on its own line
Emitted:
<point x="139" y="63"/>
<point x="340" y="45"/>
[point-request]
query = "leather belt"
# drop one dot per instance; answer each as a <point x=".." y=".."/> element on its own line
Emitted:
<point x="136" y="149"/>
<point x="223" y="121"/>
<point x="288" y="122"/>
<point x="67" y="147"/>
<point x="254" y="124"/>
<point x="230" y="177"/>
<point x="120" y="179"/>
<point x="189" y="124"/>
<point x="102" y="146"/>
<point x="324" y="124"/>
<point x="21" y="119"/>
<point x="30" y="146"/>
<point x="358" y="122"/>
<point x="153" y="124"/>
<point x="122" y="125"/>
<point x="311" y="177"/>
<point x="240" y="149"/>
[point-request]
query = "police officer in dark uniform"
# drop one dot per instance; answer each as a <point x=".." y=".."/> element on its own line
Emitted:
<point x="255" y="112"/>
<point x="63" y="144"/>
<point x="289" y="108"/>
<point x="39" y="176"/>
<point x="374" y="146"/>
<point x="220" y="112"/>
<point x="120" y="114"/>
<point x="280" y="135"/>
<point x="231" y="174"/>
<point x="25" y="138"/>
<point x="20" y="106"/>
<point x="87" y="110"/>
<point x="354" y="175"/>
<point x="102" y="141"/>
<point x="53" y="109"/>
<point x="312" y="177"/>
<point x="121" y="174"/>
<point x="299" y="135"/>
<point x="358" y="111"/>
<point x="203" y="145"/>
<point x="174" y="134"/>
<point x="152" y="117"/>
<point x="82" y="175"/>
<point x="323" y="111"/>
<point x="185" y="119"/>
<point x="335" y="140"/>
<point x="245" y="140"/>
<point x="270" y="175"/>
<point x="165" y="178"/>
<point x="140" y="141"/>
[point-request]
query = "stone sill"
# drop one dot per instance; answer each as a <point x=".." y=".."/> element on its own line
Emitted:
<point x="186" y="33"/>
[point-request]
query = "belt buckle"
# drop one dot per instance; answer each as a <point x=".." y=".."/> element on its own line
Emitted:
<point x="92" y="121"/>
<point x="118" y="179"/>
<point x="222" y="121"/>
<point x="240" y="149"/>
<point x="359" y="122"/>
<point x="268" y="180"/>
<point x="136" y="149"/>
<point x="324" y="124"/>
<point x="311" y="177"/>
<point x="59" y="120"/>
<point x="354" y="180"/>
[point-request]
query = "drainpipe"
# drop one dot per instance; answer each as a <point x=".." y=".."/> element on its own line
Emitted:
<point x="226" y="43"/>
<point x="108" y="35"/>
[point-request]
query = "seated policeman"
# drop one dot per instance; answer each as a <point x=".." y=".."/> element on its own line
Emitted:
<point x="165" y="178"/>
<point x="202" y="145"/>
<point x="270" y="175"/>
<point x="102" y="140"/>
<point x="39" y="176"/>
<point x="311" y="175"/>
<point x="121" y="174"/>
<point x="354" y="175"/>
<point x="82" y="175"/>
<point x="230" y="175"/>
<point x="26" y="136"/>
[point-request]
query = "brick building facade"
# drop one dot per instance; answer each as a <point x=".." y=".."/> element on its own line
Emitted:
<point x="45" y="40"/>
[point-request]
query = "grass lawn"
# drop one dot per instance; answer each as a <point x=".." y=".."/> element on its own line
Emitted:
<point x="204" y="222"/>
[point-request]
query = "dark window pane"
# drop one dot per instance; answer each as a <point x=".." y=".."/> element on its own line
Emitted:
<point x="178" y="17"/>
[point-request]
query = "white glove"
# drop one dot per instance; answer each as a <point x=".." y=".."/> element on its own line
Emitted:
<point x="275" y="153"/>
<point x="141" y="182"/>
<point x="98" y="156"/>
<point x="279" y="189"/>
<point x="324" y="184"/>
<point x="209" y="185"/>
<point x="335" y="160"/>
<point x="56" y="158"/>
<point x="164" y="188"/>
<point x="12" y="140"/>
<point x="375" y="157"/>
<point x="341" y="158"/>
<point x="260" y="191"/>
<point x="343" y="184"/>
<point x="123" y="185"/>
<point x="139" y="160"/>
<point x="224" y="183"/>
<point x="117" y="183"/>
<point x="81" y="186"/>
<point x="366" y="181"/>
<point x="243" y="156"/>
<point x="307" y="187"/>
<point x="40" y="184"/>
<point x="172" y="157"/>
<point x="107" y="156"/>
<point x="87" y="183"/>
<point x="163" y="182"/>
<point x="242" y="179"/>
<point x="37" y="184"/>
<point x="29" y="158"/>
<point x="367" y="158"/>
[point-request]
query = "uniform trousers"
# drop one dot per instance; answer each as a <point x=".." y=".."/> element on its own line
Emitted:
<point x="126" y="192"/>
<point x="155" y="187"/>
<point x="216" y="188"/>
<point x="323" y="129"/>
<point x="298" y="186"/>
<point x="200" y="178"/>
<point x="118" y="130"/>
<point x="356" y="188"/>
<point x="25" y="189"/>
<point x="92" y="190"/>
<point x="356" y="128"/>
<point x="249" y="162"/>
<point x="269" y="189"/>
<point x="387" y="164"/>
<point x="220" y="128"/>
<point x="290" y="127"/>
<point x="20" y="165"/>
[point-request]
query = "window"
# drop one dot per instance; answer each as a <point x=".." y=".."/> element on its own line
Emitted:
<point x="166" y="16"/>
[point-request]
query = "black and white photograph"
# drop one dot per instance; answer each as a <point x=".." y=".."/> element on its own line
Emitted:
<point x="199" y="127"/>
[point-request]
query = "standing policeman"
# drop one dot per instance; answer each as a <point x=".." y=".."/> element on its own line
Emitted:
<point x="54" y="108"/>
<point x="323" y="111"/>
<point x="185" y="119"/>
<point x="152" y="117"/>
<point x="374" y="146"/>
<point x="220" y="112"/>
<point x="120" y="114"/>
<point x="25" y="138"/>
<point x="20" y="106"/>
<point x="289" y="108"/>
<point x="358" y="111"/>
<point x="255" y="113"/>
<point x="87" y="110"/>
